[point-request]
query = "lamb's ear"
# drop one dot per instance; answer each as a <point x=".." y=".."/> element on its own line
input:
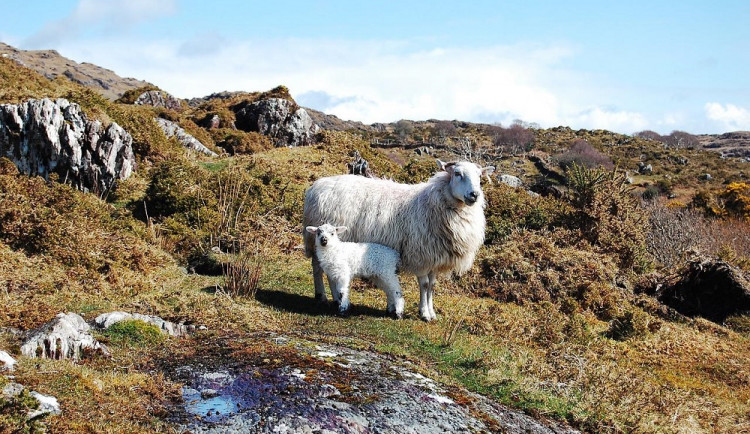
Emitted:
<point x="440" y="164"/>
<point x="311" y="229"/>
<point x="487" y="171"/>
<point x="341" y="229"/>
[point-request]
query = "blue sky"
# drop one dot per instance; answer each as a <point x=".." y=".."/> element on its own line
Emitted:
<point x="623" y="66"/>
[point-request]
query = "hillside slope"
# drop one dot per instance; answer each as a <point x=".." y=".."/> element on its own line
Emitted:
<point x="51" y="64"/>
<point x="559" y="318"/>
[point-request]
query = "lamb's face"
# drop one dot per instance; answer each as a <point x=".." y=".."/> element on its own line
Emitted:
<point x="325" y="234"/>
<point x="465" y="181"/>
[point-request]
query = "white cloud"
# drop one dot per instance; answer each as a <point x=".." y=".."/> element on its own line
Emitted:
<point x="106" y="16"/>
<point x="614" y="120"/>
<point x="377" y="81"/>
<point x="730" y="117"/>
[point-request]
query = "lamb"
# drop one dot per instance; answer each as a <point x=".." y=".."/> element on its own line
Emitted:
<point x="342" y="261"/>
<point x="437" y="226"/>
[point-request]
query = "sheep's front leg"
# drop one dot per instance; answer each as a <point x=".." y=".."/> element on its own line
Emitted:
<point x="425" y="298"/>
<point x="392" y="289"/>
<point x="342" y="286"/>
<point x="320" y="288"/>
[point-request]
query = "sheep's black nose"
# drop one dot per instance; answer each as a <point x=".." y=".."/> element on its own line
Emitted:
<point x="323" y="241"/>
<point x="473" y="195"/>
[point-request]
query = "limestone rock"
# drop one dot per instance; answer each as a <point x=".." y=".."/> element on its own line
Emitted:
<point x="279" y="119"/>
<point x="510" y="180"/>
<point x="106" y="320"/>
<point x="158" y="98"/>
<point x="42" y="137"/>
<point x="171" y="129"/>
<point x="65" y="337"/>
<point x="7" y="362"/>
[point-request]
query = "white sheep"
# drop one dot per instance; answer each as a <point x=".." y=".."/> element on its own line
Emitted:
<point x="437" y="226"/>
<point x="342" y="261"/>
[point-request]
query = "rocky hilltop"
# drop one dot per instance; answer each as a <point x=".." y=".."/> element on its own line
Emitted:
<point x="734" y="144"/>
<point x="52" y="65"/>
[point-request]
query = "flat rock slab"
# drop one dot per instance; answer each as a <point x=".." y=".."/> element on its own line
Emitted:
<point x="326" y="388"/>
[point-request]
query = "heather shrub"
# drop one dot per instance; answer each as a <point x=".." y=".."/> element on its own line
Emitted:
<point x="240" y="142"/>
<point x="514" y="139"/>
<point x="581" y="153"/>
<point x="536" y="266"/>
<point x="509" y="209"/>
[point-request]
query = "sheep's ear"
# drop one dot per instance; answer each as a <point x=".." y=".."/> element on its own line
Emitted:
<point x="311" y="229"/>
<point x="341" y="229"/>
<point x="442" y="165"/>
<point x="487" y="171"/>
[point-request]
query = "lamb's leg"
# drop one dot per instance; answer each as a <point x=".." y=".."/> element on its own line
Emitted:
<point x="392" y="288"/>
<point x="424" y="291"/>
<point x="342" y="286"/>
<point x="335" y="291"/>
<point x="430" y="293"/>
<point x="320" y="288"/>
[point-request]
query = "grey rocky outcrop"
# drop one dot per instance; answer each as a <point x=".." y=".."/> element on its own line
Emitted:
<point x="282" y="120"/>
<point x="158" y="98"/>
<point x="65" y="337"/>
<point x="44" y="136"/>
<point x="106" y="320"/>
<point x="171" y="129"/>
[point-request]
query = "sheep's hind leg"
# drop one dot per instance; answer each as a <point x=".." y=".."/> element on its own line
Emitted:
<point x="430" y="294"/>
<point x="320" y="288"/>
<point x="424" y="298"/>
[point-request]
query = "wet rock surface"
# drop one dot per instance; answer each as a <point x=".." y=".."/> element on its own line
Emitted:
<point x="42" y="137"/>
<point x="326" y="388"/>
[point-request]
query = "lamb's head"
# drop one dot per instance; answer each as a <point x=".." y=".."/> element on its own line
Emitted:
<point x="465" y="180"/>
<point x="325" y="234"/>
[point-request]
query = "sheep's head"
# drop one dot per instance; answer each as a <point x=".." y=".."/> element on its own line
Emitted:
<point x="465" y="180"/>
<point x="325" y="234"/>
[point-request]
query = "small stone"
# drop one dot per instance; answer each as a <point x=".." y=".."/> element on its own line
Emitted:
<point x="47" y="405"/>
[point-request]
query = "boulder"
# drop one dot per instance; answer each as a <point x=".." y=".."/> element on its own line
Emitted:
<point x="510" y="180"/>
<point x="65" y="337"/>
<point x="106" y="320"/>
<point x="158" y="98"/>
<point x="282" y="120"/>
<point x="42" y="137"/>
<point x="171" y="129"/>
<point x="359" y="166"/>
<point x="7" y="362"/>
<point x="710" y="288"/>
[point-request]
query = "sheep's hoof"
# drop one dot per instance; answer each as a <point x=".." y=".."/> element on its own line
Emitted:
<point x="397" y="315"/>
<point x="343" y="313"/>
